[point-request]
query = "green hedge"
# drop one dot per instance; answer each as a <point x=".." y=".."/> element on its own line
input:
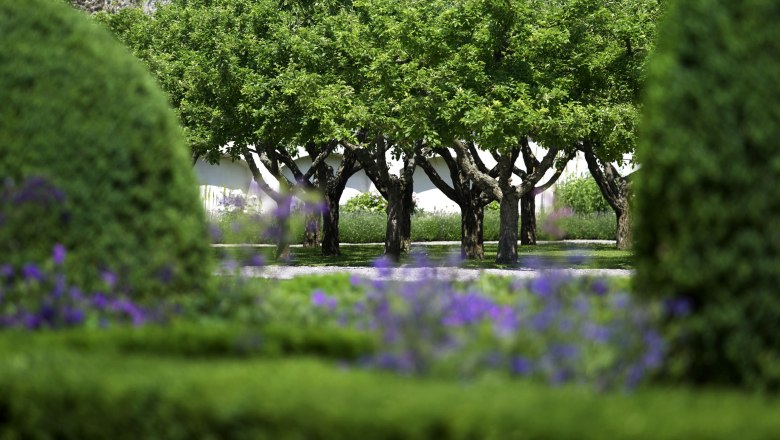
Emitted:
<point x="708" y="205"/>
<point x="85" y="126"/>
<point x="208" y="340"/>
<point x="49" y="391"/>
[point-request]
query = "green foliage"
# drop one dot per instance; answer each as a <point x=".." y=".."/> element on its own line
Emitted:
<point x="82" y="114"/>
<point x="369" y="227"/>
<point x="594" y="226"/>
<point x="435" y="226"/>
<point x="51" y="391"/>
<point x="365" y="202"/>
<point x="215" y="339"/>
<point x="708" y="210"/>
<point x="363" y="227"/>
<point x="581" y="194"/>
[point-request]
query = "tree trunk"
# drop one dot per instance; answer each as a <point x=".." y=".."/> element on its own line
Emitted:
<point x="330" y="226"/>
<point x="313" y="222"/>
<point x="507" y="238"/>
<point x="406" y="218"/>
<point x="472" y="215"/>
<point x="624" y="237"/>
<point x="528" y="219"/>
<point x="395" y="215"/>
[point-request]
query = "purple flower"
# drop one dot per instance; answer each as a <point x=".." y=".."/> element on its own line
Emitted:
<point x="58" y="254"/>
<point x="215" y="233"/>
<point x="596" y="333"/>
<point x="6" y="271"/>
<point x="542" y="320"/>
<point x="355" y="280"/>
<point x="677" y="307"/>
<point x="599" y="287"/>
<point x="109" y="278"/>
<point x="256" y="260"/>
<point x="564" y="351"/>
<point x="74" y="316"/>
<point x="32" y="272"/>
<point x="542" y="286"/>
<point x="32" y="322"/>
<point x="383" y="264"/>
<point x="621" y="301"/>
<point x="100" y="301"/>
<point x="75" y="294"/>
<point x="521" y="365"/>
<point x="505" y="320"/>
<point x="320" y="299"/>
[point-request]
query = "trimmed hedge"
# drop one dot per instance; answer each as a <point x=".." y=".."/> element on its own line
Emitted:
<point x="708" y="204"/>
<point x="48" y="391"/>
<point x="214" y="339"/>
<point x="84" y="125"/>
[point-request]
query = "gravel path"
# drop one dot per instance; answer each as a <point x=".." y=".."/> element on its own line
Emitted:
<point x="417" y="273"/>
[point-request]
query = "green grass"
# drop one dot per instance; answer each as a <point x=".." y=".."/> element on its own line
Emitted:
<point x="555" y="254"/>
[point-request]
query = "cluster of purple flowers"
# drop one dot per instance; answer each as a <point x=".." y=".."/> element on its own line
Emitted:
<point x="554" y="328"/>
<point x="37" y="296"/>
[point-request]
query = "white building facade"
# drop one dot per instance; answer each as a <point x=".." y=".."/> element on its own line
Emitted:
<point x="218" y="182"/>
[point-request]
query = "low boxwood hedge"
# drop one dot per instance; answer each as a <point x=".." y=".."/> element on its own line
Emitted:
<point x="55" y="391"/>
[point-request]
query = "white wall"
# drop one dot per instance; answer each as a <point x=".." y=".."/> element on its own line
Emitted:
<point x="216" y="181"/>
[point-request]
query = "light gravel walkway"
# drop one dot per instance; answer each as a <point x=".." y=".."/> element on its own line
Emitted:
<point x="417" y="273"/>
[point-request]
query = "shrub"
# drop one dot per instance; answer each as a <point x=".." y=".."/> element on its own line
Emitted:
<point x="581" y="194"/>
<point x="83" y="117"/>
<point x="708" y="210"/>
<point x="54" y="392"/>
<point x="362" y="227"/>
<point x="559" y="225"/>
<point x="365" y="202"/>
<point x="436" y="226"/>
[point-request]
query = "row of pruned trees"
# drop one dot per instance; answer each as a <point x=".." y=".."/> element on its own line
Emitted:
<point x="412" y="80"/>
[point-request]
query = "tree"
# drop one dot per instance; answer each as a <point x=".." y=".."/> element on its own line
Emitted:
<point x="256" y="81"/>
<point x="606" y="49"/>
<point x="471" y="199"/>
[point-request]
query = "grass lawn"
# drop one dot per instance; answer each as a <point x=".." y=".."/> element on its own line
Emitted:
<point x="552" y="254"/>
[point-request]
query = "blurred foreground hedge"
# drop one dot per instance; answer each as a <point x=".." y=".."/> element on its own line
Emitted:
<point x="53" y="390"/>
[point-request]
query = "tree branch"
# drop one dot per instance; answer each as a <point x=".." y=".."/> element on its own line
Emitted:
<point x="436" y="179"/>
<point x="467" y="163"/>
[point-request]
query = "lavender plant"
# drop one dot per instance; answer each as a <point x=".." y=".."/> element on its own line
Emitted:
<point x="38" y="296"/>
<point x="553" y="328"/>
<point x="35" y="291"/>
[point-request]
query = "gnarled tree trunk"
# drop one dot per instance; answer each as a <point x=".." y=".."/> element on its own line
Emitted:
<point x="528" y="219"/>
<point x="396" y="211"/>
<point x="507" y="238"/>
<point x="330" y="226"/>
<point x="471" y="230"/>
<point x="616" y="190"/>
